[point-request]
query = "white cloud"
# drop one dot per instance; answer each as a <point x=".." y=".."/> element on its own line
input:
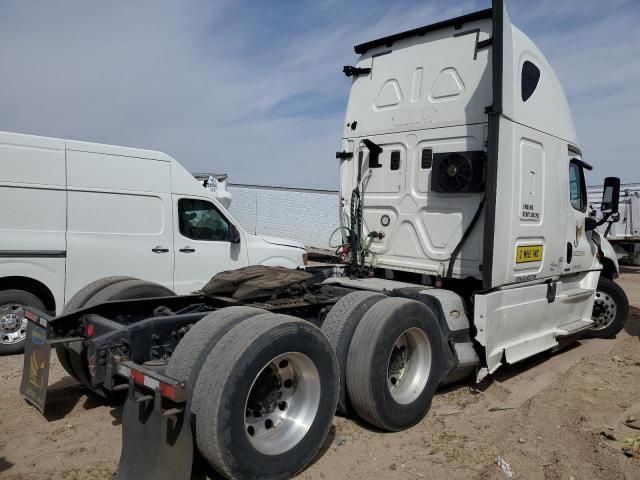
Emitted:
<point x="256" y="90"/>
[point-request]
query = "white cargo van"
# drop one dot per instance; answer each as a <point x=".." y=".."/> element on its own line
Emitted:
<point x="72" y="212"/>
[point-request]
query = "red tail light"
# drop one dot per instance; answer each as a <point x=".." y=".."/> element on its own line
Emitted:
<point x="138" y="376"/>
<point x="89" y="330"/>
<point x="168" y="391"/>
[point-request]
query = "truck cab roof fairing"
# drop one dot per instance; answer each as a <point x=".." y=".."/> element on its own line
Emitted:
<point x="388" y="41"/>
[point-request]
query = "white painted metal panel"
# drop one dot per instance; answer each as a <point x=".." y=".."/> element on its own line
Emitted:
<point x="113" y="172"/>
<point x="113" y="233"/>
<point x="32" y="160"/>
<point x="32" y="219"/>
<point x="422" y="82"/>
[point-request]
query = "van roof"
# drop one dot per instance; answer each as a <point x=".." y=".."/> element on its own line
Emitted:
<point x="117" y="150"/>
<point x="453" y="22"/>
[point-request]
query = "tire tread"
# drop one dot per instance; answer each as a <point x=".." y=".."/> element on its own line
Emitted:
<point x="339" y="327"/>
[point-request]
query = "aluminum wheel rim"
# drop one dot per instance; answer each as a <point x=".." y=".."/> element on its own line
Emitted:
<point x="604" y="310"/>
<point x="282" y="403"/>
<point x="13" y="324"/>
<point x="409" y="366"/>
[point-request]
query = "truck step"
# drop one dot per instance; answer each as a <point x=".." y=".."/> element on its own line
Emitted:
<point x="573" y="327"/>
<point x="576" y="293"/>
<point x="467" y="356"/>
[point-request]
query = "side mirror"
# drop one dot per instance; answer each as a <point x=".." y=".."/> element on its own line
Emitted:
<point x="234" y="234"/>
<point x="610" y="195"/>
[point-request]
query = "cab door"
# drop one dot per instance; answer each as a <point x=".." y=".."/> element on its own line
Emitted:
<point x="202" y="243"/>
<point x="579" y="253"/>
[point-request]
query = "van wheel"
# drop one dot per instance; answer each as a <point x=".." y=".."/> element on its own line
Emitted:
<point x="13" y="324"/>
<point x="339" y="326"/>
<point x="610" y="310"/>
<point x="76" y="302"/>
<point x="265" y="398"/>
<point x="395" y="363"/>
<point x="122" y="290"/>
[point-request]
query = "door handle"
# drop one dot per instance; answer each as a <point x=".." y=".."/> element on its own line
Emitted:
<point x="187" y="250"/>
<point x="159" y="249"/>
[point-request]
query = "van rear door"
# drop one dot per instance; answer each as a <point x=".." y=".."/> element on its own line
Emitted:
<point x="119" y="216"/>
<point x="32" y="209"/>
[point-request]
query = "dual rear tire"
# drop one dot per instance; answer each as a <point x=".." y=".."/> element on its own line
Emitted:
<point x="263" y="391"/>
<point x="73" y="356"/>
<point x="390" y="355"/>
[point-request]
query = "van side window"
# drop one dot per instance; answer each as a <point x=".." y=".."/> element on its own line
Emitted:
<point x="201" y="220"/>
<point x="530" y="79"/>
<point x="577" y="188"/>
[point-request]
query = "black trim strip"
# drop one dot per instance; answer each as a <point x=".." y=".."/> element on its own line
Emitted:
<point x="33" y="254"/>
<point x="453" y="22"/>
<point x="582" y="163"/>
<point x="469" y="32"/>
<point x="494" y="144"/>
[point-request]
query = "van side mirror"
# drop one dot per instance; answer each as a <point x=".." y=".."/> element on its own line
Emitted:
<point x="234" y="234"/>
<point x="610" y="195"/>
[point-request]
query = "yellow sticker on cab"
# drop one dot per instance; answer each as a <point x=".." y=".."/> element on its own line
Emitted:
<point x="528" y="253"/>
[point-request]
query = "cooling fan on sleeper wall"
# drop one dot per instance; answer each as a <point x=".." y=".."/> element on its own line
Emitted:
<point x="458" y="172"/>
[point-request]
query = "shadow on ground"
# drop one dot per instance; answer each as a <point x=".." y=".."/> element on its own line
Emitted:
<point x="5" y="464"/>
<point x="64" y="395"/>
<point x="202" y="471"/>
<point x="632" y="327"/>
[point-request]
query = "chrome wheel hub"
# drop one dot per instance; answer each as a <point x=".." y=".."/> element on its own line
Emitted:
<point x="282" y="403"/>
<point x="13" y="324"/>
<point x="604" y="310"/>
<point x="409" y="366"/>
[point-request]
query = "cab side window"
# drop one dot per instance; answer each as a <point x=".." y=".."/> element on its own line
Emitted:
<point x="201" y="220"/>
<point x="577" y="187"/>
<point x="530" y="79"/>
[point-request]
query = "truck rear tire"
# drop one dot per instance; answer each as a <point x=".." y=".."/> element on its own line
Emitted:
<point x="265" y="398"/>
<point x="191" y="351"/>
<point x="130" y="290"/>
<point x="76" y="302"/>
<point x="395" y="363"/>
<point x="339" y="326"/>
<point x="610" y="310"/>
<point x="13" y="325"/>
<point x="122" y="290"/>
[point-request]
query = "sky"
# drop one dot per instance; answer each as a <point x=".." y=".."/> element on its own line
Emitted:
<point x="256" y="89"/>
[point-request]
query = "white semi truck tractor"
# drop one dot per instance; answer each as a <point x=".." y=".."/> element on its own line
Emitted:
<point x="467" y="247"/>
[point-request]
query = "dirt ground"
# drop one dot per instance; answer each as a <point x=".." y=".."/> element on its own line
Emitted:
<point x="547" y="418"/>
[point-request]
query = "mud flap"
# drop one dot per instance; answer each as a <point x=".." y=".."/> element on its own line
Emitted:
<point x="157" y="444"/>
<point x="35" y="373"/>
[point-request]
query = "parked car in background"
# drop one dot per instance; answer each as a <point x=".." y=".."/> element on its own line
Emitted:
<point x="72" y="212"/>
